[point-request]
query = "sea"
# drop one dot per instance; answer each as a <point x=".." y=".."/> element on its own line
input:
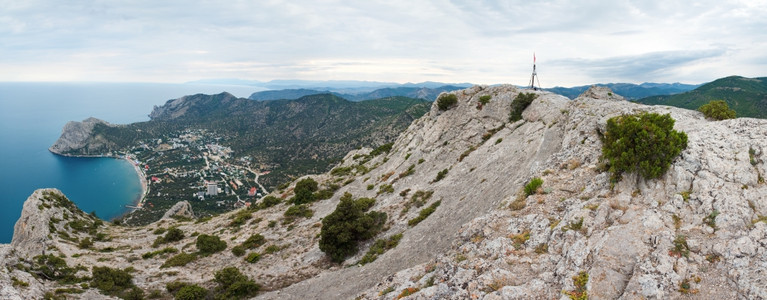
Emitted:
<point x="31" y="118"/>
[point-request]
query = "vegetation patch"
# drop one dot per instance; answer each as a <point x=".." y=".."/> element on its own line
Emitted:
<point x="579" y="281"/>
<point x="209" y="244"/>
<point x="115" y="282"/>
<point x="379" y="247"/>
<point x="167" y="250"/>
<point x="467" y="152"/>
<point x="441" y="175"/>
<point x="717" y="110"/>
<point x="680" y="247"/>
<point x="532" y="186"/>
<point x="519" y="104"/>
<point x="485" y="99"/>
<point x="646" y="143"/>
<point x="253" y="257"/>
<point x="347" y="225"/>
<point x="232" y="284"/>
<point x="296" y="211"/>
<point x="410" y="171"/>
<point x="710" y="220"/>
<point x="304" y="191"/>
<point x="577" y="226"/>
<point x="172" y="235"/>
<point x="179" y="260"/>
<point x="424" y="213"/>
<point x="446" y="101"/>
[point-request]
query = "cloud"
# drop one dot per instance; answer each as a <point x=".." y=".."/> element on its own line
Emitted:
<point x="395" y="40"/>
<point x="643" y="66"/>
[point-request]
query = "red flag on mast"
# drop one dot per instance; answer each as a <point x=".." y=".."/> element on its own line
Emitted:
<point x="533" y="57"/>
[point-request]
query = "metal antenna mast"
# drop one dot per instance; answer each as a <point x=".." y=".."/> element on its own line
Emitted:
<point x="534" y="77"/>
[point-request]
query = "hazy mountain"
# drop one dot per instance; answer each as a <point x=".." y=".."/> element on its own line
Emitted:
<point x="747" y="96"/>
<point x="404" y="91"/>
<point x="629" y="90"/>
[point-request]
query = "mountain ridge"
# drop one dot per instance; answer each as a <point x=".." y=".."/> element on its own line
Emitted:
<point x="622" y="235"/>
<point x="747" y="96"/>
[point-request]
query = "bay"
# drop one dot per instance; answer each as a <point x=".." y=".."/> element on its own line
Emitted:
<point x="31" y="118"/>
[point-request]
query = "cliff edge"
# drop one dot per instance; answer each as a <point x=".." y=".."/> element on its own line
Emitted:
<point x="77" y="137"/>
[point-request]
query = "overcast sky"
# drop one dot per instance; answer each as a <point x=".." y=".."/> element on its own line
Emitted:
<point x="484" y="42"/>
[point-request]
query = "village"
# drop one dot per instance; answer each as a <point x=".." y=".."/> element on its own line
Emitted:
<point x="192" y="166"/>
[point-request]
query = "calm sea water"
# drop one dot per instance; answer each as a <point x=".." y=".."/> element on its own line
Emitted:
<point x="31" y="118"/>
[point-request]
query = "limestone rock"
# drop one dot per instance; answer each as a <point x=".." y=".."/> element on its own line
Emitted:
<point x="77" y="136"/>
<point x="180" y="209"/>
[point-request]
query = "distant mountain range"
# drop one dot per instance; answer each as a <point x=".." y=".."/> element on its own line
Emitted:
<point x="629" y="90"/>
<point x="747" y="96"/>
<point x="417" y="92"/>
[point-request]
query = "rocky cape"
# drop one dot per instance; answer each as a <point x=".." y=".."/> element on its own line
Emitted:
<point x="78" y="136"/>
<point x="626" y="237"/>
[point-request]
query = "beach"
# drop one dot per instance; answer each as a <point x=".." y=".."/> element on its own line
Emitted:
<point x="142" y="179"/>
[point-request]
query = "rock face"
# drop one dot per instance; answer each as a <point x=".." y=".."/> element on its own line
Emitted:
<point x="31" y="234"/>
<point x="697" y="231"/>
<point x="76" y="136"/>
<point x="180" y="209"/>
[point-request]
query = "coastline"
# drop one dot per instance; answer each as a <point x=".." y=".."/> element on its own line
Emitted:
<point x="139" y="202"/>
<point x="142" y="179"/>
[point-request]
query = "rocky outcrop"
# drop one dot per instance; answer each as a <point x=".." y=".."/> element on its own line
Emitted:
<point x="181" y="209"/>
<point x="77" y="136"/>
<point x="694" y="231"/>
<point x="31" y="234"/>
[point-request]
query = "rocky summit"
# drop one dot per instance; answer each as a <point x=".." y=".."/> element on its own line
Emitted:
<point x="459" y="219"/>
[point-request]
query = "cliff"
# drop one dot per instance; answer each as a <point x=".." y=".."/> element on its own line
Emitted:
<point x="697" y="231"/>
<point x="77" y="138"/>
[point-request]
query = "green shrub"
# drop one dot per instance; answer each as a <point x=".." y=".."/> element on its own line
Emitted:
<point x="53" y="268"/>
<point x="440" y="175"/>
<point x="347" y="225"/>
<point x="379" y="247"/>
<point x="710" y="220"/>
<point x="645" y="142"/>
<point x="580" y="292"/>
<point x="253" y="257"/>
<point x="532" y="186"/>
<point x="254" y="241"/>
<point x="446" y="101"/>
<point x="680" y="249"/>
<point x="179" y="260"/>
<point x="304" y="191"/>
<point x="166" y="250"/>
<point x="424" y="213"/>
<point x="717" y="110"/>
<point x="209" y="244"/>
<point x="191" y="292"/>
<point x="385" y="188"/>
<point x="269" y="201"/>
<point x="85" y="243"/>
<point x="238" y="250"/>
<point x="410" y="171"/>
<point x="298" y="211"/>
<point x="519" y="104"/>
<point x="234" y="285"/>
<point x="385" y="148"/>
<point x="485" y="99"/>
<point x="111" y="281"/>
<point x="173" y="234"/>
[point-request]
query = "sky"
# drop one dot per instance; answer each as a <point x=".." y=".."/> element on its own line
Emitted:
<point x="481" y="42"/>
